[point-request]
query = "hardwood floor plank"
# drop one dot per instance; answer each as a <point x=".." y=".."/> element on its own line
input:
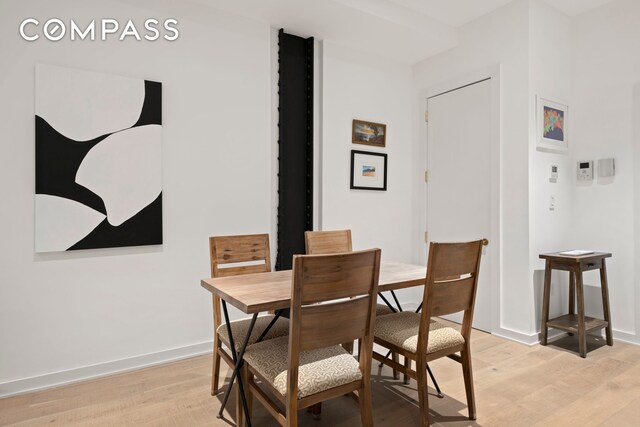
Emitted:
<point x="627" y="416"/>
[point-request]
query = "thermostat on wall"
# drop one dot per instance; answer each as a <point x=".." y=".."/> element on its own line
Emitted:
<point x="585" y="171"/>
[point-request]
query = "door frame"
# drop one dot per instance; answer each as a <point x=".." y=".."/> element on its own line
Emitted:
<point x="493" y="74"/>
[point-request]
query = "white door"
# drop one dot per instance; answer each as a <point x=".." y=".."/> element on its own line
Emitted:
<point x="459" y="184"/>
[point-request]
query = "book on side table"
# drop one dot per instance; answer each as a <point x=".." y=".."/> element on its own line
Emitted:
<point x="576" y="252"/>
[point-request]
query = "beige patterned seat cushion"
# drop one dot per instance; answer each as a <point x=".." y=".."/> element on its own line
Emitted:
<point x="239" y="329"/>
<point x="319" y="369"/>
<point x="382" y="310"/>
<point x="401" y="329"/>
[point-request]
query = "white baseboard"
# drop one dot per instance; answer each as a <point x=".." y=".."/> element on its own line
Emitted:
<point x="627" y="337"/>
<point x="530" y="339"/>
<point x="55" y="379"/>
<point x="552" y="334"/>
<point x="521" y="337"/>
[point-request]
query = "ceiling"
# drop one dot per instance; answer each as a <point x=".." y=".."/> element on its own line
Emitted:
<point x="576" y="7"/>
<point x="406" y="31"/>
<point x="452" y="12"/>
<point x="377" y="27"/>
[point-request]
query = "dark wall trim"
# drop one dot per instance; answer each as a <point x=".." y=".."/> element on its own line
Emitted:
<point x="295" y="149"/>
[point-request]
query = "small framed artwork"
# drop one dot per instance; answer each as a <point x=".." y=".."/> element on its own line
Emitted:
<point x="369" y="133"/>
<point x="553" y="118"/>
<point x="368" y="170"/>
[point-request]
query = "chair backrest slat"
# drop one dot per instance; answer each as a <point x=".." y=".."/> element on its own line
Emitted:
<point x="250" y="248"/>
<point x="327" y="278"/>
<point x="340" y="322"/>
<point x="454" y="259"/>
<point x="236" y="271"/>
<point x="327" y="242"/>
<point x="452" y="296"/>
<point x="330" y="277"/>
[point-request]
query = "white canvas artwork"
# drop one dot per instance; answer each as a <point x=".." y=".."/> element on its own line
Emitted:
<point x="98" y="160"/>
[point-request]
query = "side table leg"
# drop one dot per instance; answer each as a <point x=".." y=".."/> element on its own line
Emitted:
<point x="545" y="303"/>
<point x="582" y="334"/>
<point x="572" y="293"/>
<point x="605" y="302"/>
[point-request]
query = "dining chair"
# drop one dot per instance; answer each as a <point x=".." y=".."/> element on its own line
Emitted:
<point x="335" y="241"/>
<point x="331" y="242"/>
<point x="310" y="366"/>
<point x="450" y="287"/>
<point x="231" y="256"/>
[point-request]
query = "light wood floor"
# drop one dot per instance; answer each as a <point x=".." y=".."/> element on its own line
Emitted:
<point x="515" y="386"/>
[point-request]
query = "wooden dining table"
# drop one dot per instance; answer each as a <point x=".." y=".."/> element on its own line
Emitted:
<point x="260" y="292"/>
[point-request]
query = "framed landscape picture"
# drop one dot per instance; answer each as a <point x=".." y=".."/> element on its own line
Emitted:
<point x="368" y="170"/>
<point x="369" y="133"/>
<point x="552" y="121"/>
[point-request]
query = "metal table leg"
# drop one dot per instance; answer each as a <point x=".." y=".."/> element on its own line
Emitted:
<point x="393" y="294"/>
<point x="237" y="358"/>
<point x="435" y="383"/>
<point x="386" y="301"/>
<point x="270" y="325"/>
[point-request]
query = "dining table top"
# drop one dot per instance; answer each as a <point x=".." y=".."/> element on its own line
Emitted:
<point x="258" y="292"/>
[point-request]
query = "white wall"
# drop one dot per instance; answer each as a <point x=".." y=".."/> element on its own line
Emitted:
<point x="550" y="77"/>
<point x="357" y="86"/>
<point x="606" y="68"/>
<point x="500" y="38"/>
<point x="67" y="311"/>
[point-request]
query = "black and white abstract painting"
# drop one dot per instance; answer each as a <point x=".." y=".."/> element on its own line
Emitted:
<point x="98" y="160"/>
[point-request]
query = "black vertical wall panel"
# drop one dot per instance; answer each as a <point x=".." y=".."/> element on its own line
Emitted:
<point x="295" y="175"/>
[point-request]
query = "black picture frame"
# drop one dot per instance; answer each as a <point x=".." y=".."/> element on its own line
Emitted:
<point x="365" y="171"/>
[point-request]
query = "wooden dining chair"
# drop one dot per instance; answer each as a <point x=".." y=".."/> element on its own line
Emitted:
<point x="450" y="287"/>
<point x="309" y="366"/>
<point x="231" y="256"/>
<point x="332" y="242"/>
<point x="335" y="241"/>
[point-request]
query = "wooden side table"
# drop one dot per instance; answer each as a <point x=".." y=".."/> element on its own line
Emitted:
<point x="578" y="324"/>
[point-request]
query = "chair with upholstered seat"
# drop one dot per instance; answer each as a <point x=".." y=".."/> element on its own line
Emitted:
<point x="451" y="283"/>
<point x="230" y="256"/>
<point x="332" y="242"/>
<point x="335" y="241"/>
<point x="333" y="301"/>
